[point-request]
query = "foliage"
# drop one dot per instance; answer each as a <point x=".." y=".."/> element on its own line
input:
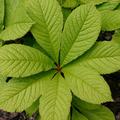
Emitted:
<point x="58" y="69"/>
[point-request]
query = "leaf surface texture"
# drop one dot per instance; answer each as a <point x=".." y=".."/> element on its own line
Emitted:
<point x="55" y="103"/>
<point x="86" y="83"/>
<point x="20" y="61"/>
<point x="47" y="31"/>
<point x="80" y="32"/>
<point x="104" y="57"/>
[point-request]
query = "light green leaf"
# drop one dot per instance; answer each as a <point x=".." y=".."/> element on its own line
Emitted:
<point x="20" y="61"/>
<point x="77" y="115"/>
<point x="17" y="23"/>
<point x="99" y="113"/>
<point x="110" y="20"/>
<point x="86" y="83"/>
<point x="1" y="14"/>
<point x="104" y="57"/>
<point x="49" y="23"/>
<point x="55" y="103"/>
<point x="15" y="31"/>
<point x="70" y="3"/>
<point x="93" y="1"/>
<point x="19" y="94"/>
<point x="80" y="32"/>
<point x="2" y="81"/>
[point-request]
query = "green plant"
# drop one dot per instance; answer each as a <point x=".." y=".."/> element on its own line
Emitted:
<point x="65" y="61"/>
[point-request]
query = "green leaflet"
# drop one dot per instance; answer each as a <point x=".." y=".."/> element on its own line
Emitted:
<point x="1" y="14"/>
<point x="47" y="91"/>
<point x="104" y="57"/>
<point x="49" y="23"/>
<point x="69" y="117"/>
<point x="17" y="23"/>
<point x="93" y="1"/>
<point x="61" y="1"/>
<point x="115" y="1"/>
<point x="110" y="20"/>
<point x="102" y="113"/>
<point x="98" y="113"/>
<point x="55" y="103"/>
<point x="108" y="6"/>
<point x="20" y="61"/>
<point x="116" y="37"/>
<point x="70" y="3"/>
<point x="84" y="105"/>
<point x="77" y="116"/>
<point x="86" y="83"/>
<point x="19" y="94"/>
<point x="83" y="20"/>
<point x="33" y="108"/>
<point x="2" y="81"/>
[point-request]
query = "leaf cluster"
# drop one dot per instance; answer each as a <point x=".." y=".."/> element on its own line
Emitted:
<point x="58" y="67"/>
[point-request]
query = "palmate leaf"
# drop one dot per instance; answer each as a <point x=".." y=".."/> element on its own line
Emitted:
<point x="49" y="23"/>
<point x="55" y="103"/>
<point x="98" y="112"/>
<point x="1" y="14"/>
<point x="110" y="20"/>
<point x="19" y="94"/>
<point x="17" y="23"/>
<point x="80" y="32"/>
<point x="104" y="57"/>
<point x="20" y="61"/>
<point x="86" y="83"/>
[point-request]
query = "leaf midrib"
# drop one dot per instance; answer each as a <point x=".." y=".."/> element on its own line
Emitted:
<point x="46" y="28"/>
<point x="26" y="87"/>
<point x="86" y="83"/>
<point x="77" y="35"/>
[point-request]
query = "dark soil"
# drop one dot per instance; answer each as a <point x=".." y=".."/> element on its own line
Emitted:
<point x="114" y="82"/>
<point x="105" y="36"/>
<point x="15" y="116"/>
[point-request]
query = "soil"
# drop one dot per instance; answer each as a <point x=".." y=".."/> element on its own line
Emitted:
<point x="16" y="116"/>
<point x="112" y="79"/>
<point x="114" y="82"/>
